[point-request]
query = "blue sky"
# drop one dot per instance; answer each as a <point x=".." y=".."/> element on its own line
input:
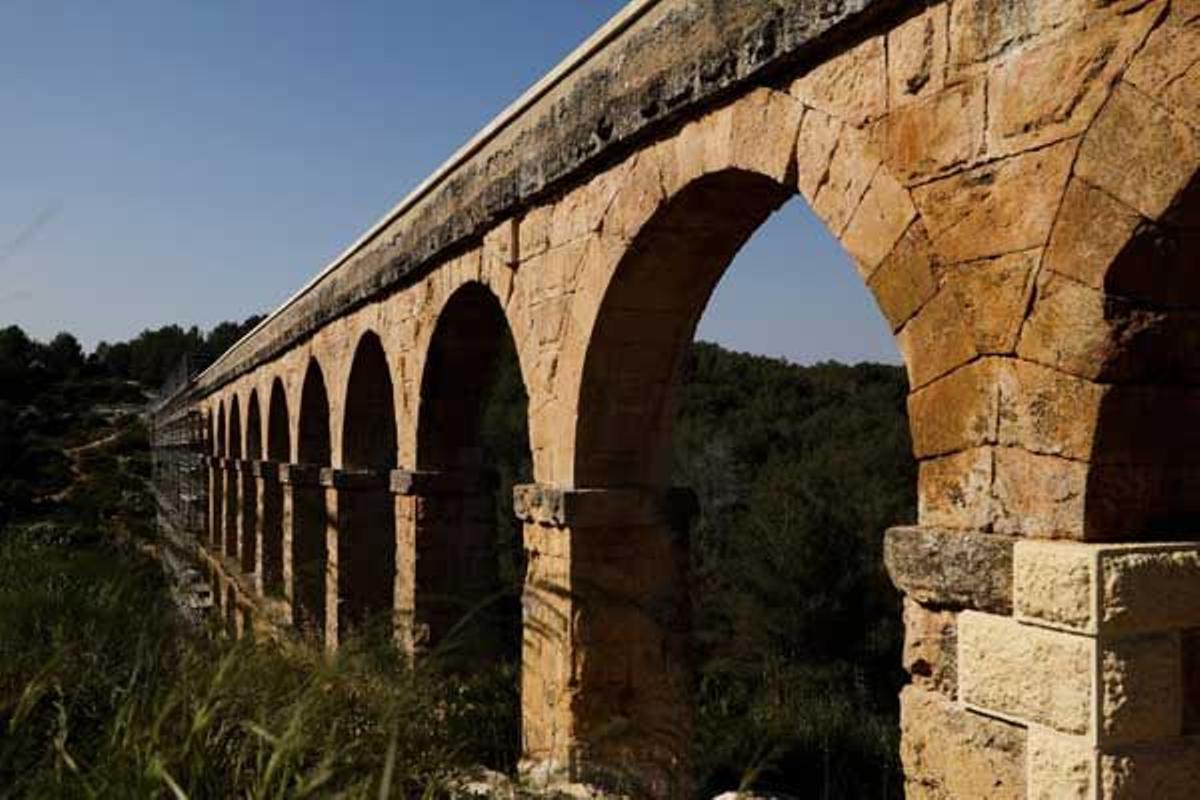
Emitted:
<point x="194" y="162"/>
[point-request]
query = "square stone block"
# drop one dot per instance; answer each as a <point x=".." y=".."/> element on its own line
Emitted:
<point x="1111" y="691"/>
<point x="1110" y="590"/>
<point x="1026" y="674"/>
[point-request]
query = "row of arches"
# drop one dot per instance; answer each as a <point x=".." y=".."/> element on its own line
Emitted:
<point x="292" y="503"/>
<point x="1000" y="449"/>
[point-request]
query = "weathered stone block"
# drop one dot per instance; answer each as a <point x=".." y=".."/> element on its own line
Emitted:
<point x="1025" y="673"/>
<point x="1166" y="68"/>
<point x="935" y="135"/>
<point x="1038" y="495"/>
<point x="1091" y="230"/>
<point x="851" y="170"/>
<point x="1060" y="767"/>
<point x="1113" y="590"/>
<point x="1003" y="207"/>
<point x="852" y="86"/>
<point x="957" y="411"/>
<point x="1148" y="588"/>
<point x="765" y="125"/>
<point x="904" y="281"/>
<point x="1052" y="89"/>
<point x="1067" y="328"/>
<point x="930" y="647"/>
<point x="885" y="213"/>
<point x="1138" y="152"/>
<point x="950" y="753"/>
<point x="980" y="29"/>
<point x="1054" y="583"/>
<point x="594" y="508"/>
<point x="951" y="569"/>
<point x="819" y="134"/>
<point x="955" y="491"/>
<point x="917" y="57"/>
<point x="936" y="340"/>
<point x="1046" y="411"/>
<point x="1141" y="681"/>
<point x="994" y="293"/>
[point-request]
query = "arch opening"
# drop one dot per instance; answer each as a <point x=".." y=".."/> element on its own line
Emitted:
<point x="233" y="508"/>
<point x="279" y="452"/>
<point x="1144" y="480"/>
<point x="471" y="560"/>
<point x="797" y="472"/>
<point x="309" y="551"/>
<point x="366" y="521"/>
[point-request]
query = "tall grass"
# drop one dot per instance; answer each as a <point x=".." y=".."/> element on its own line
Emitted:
<point x="103" y="693"/>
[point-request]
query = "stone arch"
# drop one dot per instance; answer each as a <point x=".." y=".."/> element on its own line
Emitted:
<point x="1108" y="366"/>
<point x="313" y="437"/>
<point x="235" y="429"/>
<point x="254" y="436"/>
<point x="685" y="208"/>
<point x="219" y="441"/>
<point x="366" y="521"/>
<point x="626" y="398"/>
<point x="467" y="582"/>
<point x="462" y="347"/>
<point x="369" y="420"/>
<point x="309" y="554"/>
<point x="233" y="503"/>
<point x="279" y="436"/>
<point x="279" y="454"/>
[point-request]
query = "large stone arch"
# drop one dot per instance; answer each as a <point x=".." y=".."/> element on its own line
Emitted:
<point x="365" y="513"/>
<point x="313" y="440"/>
<point x="464" y="585"/>
<point x="219" y="432"/>
<point x="279" y="434"/>
<point x="369" y="430"/>
<point x="309" y="552"/>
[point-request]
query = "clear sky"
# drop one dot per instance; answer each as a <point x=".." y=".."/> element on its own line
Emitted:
<point x="169" y="161"/>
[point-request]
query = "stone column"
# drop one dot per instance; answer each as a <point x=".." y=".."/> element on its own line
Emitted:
<point x="606" y="683"/>
<point x="265" y="475"/>
<point x="446" y="559"/>
<point x="216" y="503"/>
<point x="248" y="519"/>
<point x="304" y="546"/>
<point x="360" y="546"/>
<point x="1047" y="669"/>
<point x="270" y="545"/>
<point x="233" y="516"/>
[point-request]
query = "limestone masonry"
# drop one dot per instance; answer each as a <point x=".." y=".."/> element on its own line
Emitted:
<point x="1016" y="181"/>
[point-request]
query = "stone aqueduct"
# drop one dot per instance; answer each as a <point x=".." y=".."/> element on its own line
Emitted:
<point x="1016" y="181"/>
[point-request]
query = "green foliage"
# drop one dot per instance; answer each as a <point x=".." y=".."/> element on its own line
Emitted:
<point x="799" y="470"/>
<point x="153" y="355"/>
